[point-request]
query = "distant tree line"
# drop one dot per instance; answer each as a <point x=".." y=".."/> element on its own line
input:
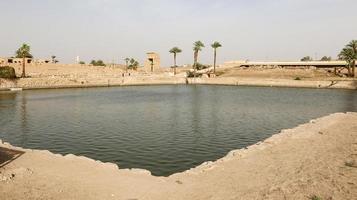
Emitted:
<point x="348" y="54"/>
<point x="308" y="58"/>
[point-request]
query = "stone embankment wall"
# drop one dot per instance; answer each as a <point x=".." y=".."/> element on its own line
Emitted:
<point x="39" y="83"/>
<point x="340" y="84"/>
<point x="48" y="82"/>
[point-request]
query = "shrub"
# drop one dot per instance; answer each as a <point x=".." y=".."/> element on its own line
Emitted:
<point x="200" y="66"/>
<point x="325" y="58"/>
<point x="190" y="74"/>
<point x="7" y="72"/>
<point x="306" y="58"/>
<point x="82" y="63"/>
<point x="314" y="197"/>
<point x="97" y="63"/>
<point x="297" y="79"/>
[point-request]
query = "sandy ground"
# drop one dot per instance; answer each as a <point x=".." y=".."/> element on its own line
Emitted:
<point x="61" y="76"/>
<point x="315" y="159"/>
<point x="278" y="73"/>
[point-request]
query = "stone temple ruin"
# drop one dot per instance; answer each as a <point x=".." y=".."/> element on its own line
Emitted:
<point x="152" y="62"/>
<point x="18" y="61"/>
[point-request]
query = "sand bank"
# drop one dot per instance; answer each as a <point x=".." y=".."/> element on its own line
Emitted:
<point x="318" y="158"/>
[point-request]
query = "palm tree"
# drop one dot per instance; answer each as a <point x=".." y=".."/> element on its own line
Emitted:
<point x="197" y="47"/>
<point x="353" y="46"/>
<point x="349" y="54"/>
<point x="127" y="62"/>
<point x="23" y="52"/>
<point x="175" y="51"/>
<point x="215" y="46"/>
<point x="346" y="54"/>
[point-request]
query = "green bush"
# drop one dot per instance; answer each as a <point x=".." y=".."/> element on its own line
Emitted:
<point x="7" y="72"/>
<point x="97" y="63"/>
<point x="200" y="66"/>
<point x="190" y="74"/>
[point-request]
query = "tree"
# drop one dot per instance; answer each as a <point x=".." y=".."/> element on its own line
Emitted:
<point x="215" y="46"/>
<point x="353" y="46"/>
<point x="126" y="63"/>
<point x="82" y="62"/>
<point x="133" y="64"/>
<point x="97" y="63"/>
<point x="23" y="52"/>
<point x="100" y="63"/>
<point x="325" y="58"/>
<point x="306" y="58"/>
<point x="175" y="51"/>
<point x="349" y="54"/>
<point x="197" y="47"/>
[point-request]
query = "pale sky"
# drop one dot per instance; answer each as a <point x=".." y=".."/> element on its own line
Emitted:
<point x="115" y="29"/>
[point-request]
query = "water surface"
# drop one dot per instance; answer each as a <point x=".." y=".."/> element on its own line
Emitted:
<point x="164" y="129"/>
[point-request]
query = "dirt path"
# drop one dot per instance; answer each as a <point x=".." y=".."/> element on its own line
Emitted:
<point x="318" y="158"/>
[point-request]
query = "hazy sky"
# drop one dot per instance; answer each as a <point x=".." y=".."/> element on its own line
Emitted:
<point x="115" y="29"/>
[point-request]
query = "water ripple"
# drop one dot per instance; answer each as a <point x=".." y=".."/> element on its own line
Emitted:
<point x="164" y="129"/>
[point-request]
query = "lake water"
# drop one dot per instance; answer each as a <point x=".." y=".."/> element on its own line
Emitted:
<point x="164" y="129"/>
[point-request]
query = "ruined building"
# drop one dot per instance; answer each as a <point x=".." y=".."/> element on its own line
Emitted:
<point x="152" y="63"/>
<point x="18" y="61"/>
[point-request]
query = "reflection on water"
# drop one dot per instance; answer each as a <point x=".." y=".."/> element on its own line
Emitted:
<point x="164" y="129"/>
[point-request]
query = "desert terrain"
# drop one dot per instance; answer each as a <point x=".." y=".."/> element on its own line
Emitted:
<point x="61" y="76"/>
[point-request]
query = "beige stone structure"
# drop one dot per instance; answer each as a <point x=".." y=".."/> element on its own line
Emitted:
<point x="2" y="61"/>
<point x="18" y="61"/>
<point x="317" y="64"/>
<point x="152" y="62"/>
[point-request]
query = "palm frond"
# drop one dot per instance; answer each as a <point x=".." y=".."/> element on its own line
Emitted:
<point x="216" y="45"/>
<point x="23" y="51"/>
<point x="198" y="45"/>
<point x="175" y="50"/>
